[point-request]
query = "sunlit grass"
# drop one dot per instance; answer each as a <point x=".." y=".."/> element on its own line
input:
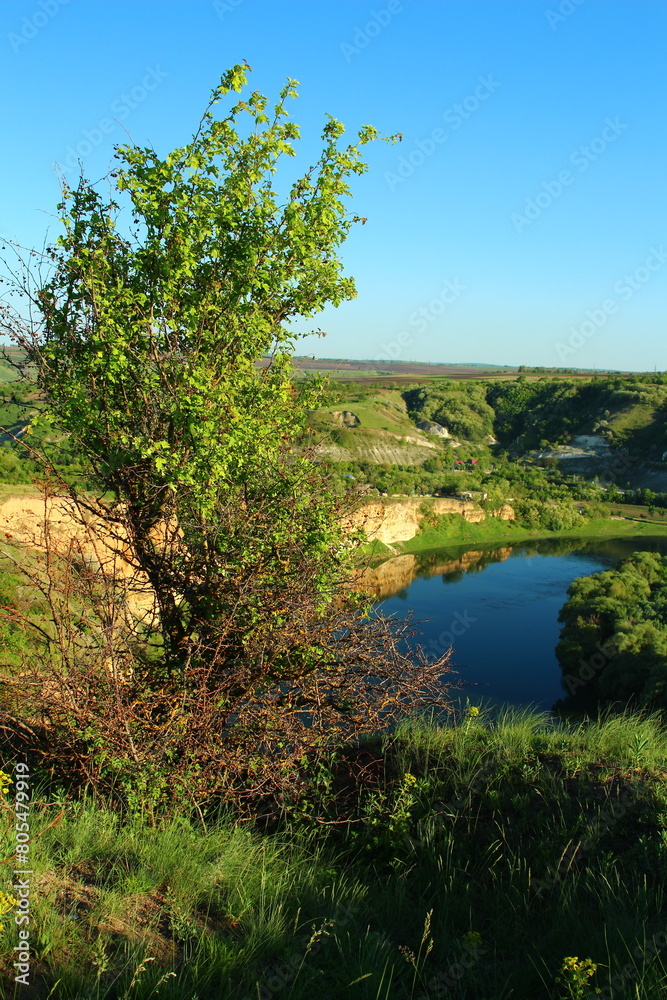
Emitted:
<point x="480" y="857"/>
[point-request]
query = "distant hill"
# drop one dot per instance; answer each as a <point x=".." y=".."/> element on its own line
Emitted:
<point x="433" y="416"/>
<point x="582" y="423"/>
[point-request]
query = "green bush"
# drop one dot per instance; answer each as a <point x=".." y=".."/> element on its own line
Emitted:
<point x="613" y="646"/>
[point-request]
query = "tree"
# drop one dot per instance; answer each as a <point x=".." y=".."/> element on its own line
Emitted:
<point x="163" y="347"/>
<point x="613" y="646"/>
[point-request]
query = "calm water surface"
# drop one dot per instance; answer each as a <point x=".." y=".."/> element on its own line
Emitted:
<point x="498" y="607"/>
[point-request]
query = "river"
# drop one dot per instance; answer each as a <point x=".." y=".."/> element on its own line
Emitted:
<point x="498" y="607"/>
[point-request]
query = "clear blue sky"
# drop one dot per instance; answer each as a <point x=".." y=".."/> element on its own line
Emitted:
<point x="523" y="218"/>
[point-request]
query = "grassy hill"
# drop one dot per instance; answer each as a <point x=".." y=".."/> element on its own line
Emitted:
<point x="522" y="416"/>
<point x="489" y="417"/>
<point x="367" y="425"/>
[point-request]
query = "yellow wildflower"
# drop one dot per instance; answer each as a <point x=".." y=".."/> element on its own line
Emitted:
<point x="7" y="903"/>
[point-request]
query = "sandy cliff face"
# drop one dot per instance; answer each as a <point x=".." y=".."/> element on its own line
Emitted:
<point x="382" y="522"/>
<point x="401" y="520"/>
<point x="30" y="520"/>
<point x="38" y="522"/>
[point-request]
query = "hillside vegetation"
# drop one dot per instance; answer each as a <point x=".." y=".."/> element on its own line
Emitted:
<point x="483" y="419"/>
<point x="454" y="437"/>
<point x="613" y="647"/>
<point x="490" y="441"/>
<point x="460" y="407"/>
<point x="489" y="859"/>
<point x="629" y="412"/>
<point x="224" y="772"/>
<point x="370" y="426"/>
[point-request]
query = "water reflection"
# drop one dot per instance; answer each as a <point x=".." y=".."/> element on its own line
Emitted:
<point x="393" y="577"/>
<point x="510" y="595"/>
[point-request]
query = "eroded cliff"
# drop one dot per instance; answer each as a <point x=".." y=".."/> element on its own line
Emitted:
<point x="400" y="520"/>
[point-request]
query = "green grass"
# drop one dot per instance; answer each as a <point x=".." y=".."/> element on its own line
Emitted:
<point x="384" y="412"/>
<point x="454" y="529"/>
<point x="481" y="855"/>
<point x="633" y="418"/>
<point x="219" y="907"/>
<point x="636" y="512"/>
<point x="8" y="490"/>
<point x="7" y="374"/>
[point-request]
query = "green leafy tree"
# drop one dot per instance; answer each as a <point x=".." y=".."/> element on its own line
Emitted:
<point x="148" y="349"/>
<point x="163" y="348"/>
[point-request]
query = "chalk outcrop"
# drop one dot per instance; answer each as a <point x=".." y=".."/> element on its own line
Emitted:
<point x="585" y="446"/>
<point x="346" y="418"/>
<point x="431" y="427"/>
<point x="55" y="523"/>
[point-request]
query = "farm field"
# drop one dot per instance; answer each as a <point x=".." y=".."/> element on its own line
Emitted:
<point x="373" y="372"/>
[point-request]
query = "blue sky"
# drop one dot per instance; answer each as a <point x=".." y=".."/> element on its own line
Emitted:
<point x="522" y="220"/>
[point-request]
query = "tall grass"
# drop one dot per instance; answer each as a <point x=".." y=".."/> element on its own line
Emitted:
<point x="478" y="858"/>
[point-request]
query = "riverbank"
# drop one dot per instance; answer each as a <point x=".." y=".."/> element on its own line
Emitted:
<point x="455" y="531"/>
